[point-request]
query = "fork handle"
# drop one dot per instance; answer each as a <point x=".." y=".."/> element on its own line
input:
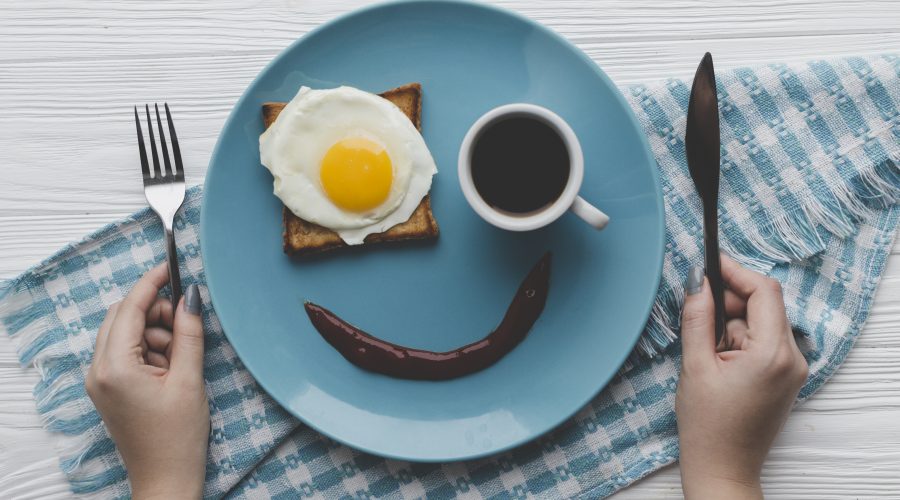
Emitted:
<point x="174" y="274"/>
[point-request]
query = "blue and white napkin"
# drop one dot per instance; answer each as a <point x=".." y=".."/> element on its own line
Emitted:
<point x="809" y="192"/>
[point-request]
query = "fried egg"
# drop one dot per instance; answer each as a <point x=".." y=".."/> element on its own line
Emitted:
<point x="347" y="160"/>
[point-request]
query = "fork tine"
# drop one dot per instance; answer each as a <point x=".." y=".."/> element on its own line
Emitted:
<point x="156" y="170"/>
<point x="162" y="142"/>
<point x="176" y="151"/>
<point x="145" y="167"/>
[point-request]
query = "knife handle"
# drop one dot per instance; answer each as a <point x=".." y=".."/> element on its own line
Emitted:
<point x="714" y="270"/>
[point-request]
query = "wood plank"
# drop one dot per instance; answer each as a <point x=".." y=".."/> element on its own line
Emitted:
<point x="72" y="70"/>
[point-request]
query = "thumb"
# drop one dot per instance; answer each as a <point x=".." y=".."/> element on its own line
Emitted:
<point x="187" y="336"/>
<point x="698" y="329"/>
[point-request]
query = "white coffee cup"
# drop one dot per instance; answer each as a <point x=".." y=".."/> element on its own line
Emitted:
<point x="568" y="200"/>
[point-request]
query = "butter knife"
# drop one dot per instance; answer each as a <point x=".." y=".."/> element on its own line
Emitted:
<point x="702" y="144"/>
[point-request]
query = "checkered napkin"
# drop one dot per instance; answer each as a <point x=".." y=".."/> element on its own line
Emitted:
<point x="810" y="181"/>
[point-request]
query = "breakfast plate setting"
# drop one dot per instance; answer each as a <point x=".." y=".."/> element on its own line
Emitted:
<point x="439" y="253"/>
<point x="451" y="288"/>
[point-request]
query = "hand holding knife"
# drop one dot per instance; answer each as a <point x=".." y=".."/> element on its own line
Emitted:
<point x="702" y="142"/>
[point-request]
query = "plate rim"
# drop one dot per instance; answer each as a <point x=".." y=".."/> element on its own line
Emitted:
<point x="618" y="95"/>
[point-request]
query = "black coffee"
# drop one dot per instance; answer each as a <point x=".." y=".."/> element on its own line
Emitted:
<point x="520" y="164"/>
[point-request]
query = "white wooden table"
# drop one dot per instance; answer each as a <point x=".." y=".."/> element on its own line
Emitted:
<point x="70" y="71"/>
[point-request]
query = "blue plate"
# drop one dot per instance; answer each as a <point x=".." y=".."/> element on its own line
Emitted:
<point x="469" y="58"/>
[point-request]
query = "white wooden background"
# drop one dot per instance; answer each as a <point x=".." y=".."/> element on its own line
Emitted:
<point x="70" y="71"/>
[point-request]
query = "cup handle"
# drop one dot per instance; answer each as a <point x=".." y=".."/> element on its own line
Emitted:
<point x="591" y="214"/>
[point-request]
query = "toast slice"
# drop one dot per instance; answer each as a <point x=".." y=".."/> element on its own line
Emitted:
<point x="302" y="237"/>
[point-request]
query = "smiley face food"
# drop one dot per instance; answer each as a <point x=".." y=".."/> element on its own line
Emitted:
<point x="350" y="167"/>
<point x="373" y="354"/>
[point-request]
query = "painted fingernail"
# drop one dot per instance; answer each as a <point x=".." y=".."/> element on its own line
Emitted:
<point x="192" y="300"/>
<point x="694" y="282"/>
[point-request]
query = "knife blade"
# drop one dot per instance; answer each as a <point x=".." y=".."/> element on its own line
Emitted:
<point x="702" y="144"/>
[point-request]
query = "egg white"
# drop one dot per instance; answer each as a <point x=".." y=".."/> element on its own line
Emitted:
<point x="293" y="147"/>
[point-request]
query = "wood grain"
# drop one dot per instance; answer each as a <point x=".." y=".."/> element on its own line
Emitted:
<point x="71" y="70"/>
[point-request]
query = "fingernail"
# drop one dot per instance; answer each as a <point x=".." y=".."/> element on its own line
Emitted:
<point x="192" y="300"/>
<point x="694" y="282"/>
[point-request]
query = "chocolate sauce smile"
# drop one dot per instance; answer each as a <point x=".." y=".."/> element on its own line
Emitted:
<point x="379" y="356"/>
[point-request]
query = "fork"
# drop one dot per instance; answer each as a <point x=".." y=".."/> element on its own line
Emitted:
<point x="164" y="190"/>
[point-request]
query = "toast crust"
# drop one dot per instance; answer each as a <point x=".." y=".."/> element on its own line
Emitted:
<point x="302" y="237"/>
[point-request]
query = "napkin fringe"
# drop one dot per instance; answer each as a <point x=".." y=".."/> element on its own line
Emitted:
<point x="63" y="407"/>
<point x="662" y="326"/>
<point x="790" y="237"/>
<point x="60" y="394"/>
<point x="81" y="439"/>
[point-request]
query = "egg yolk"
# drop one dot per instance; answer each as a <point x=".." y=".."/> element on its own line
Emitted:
<point x="356" y="174"/>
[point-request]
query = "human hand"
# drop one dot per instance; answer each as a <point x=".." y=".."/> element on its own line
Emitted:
<point x="146" y="380"/>
<point x="730" y="405"/>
